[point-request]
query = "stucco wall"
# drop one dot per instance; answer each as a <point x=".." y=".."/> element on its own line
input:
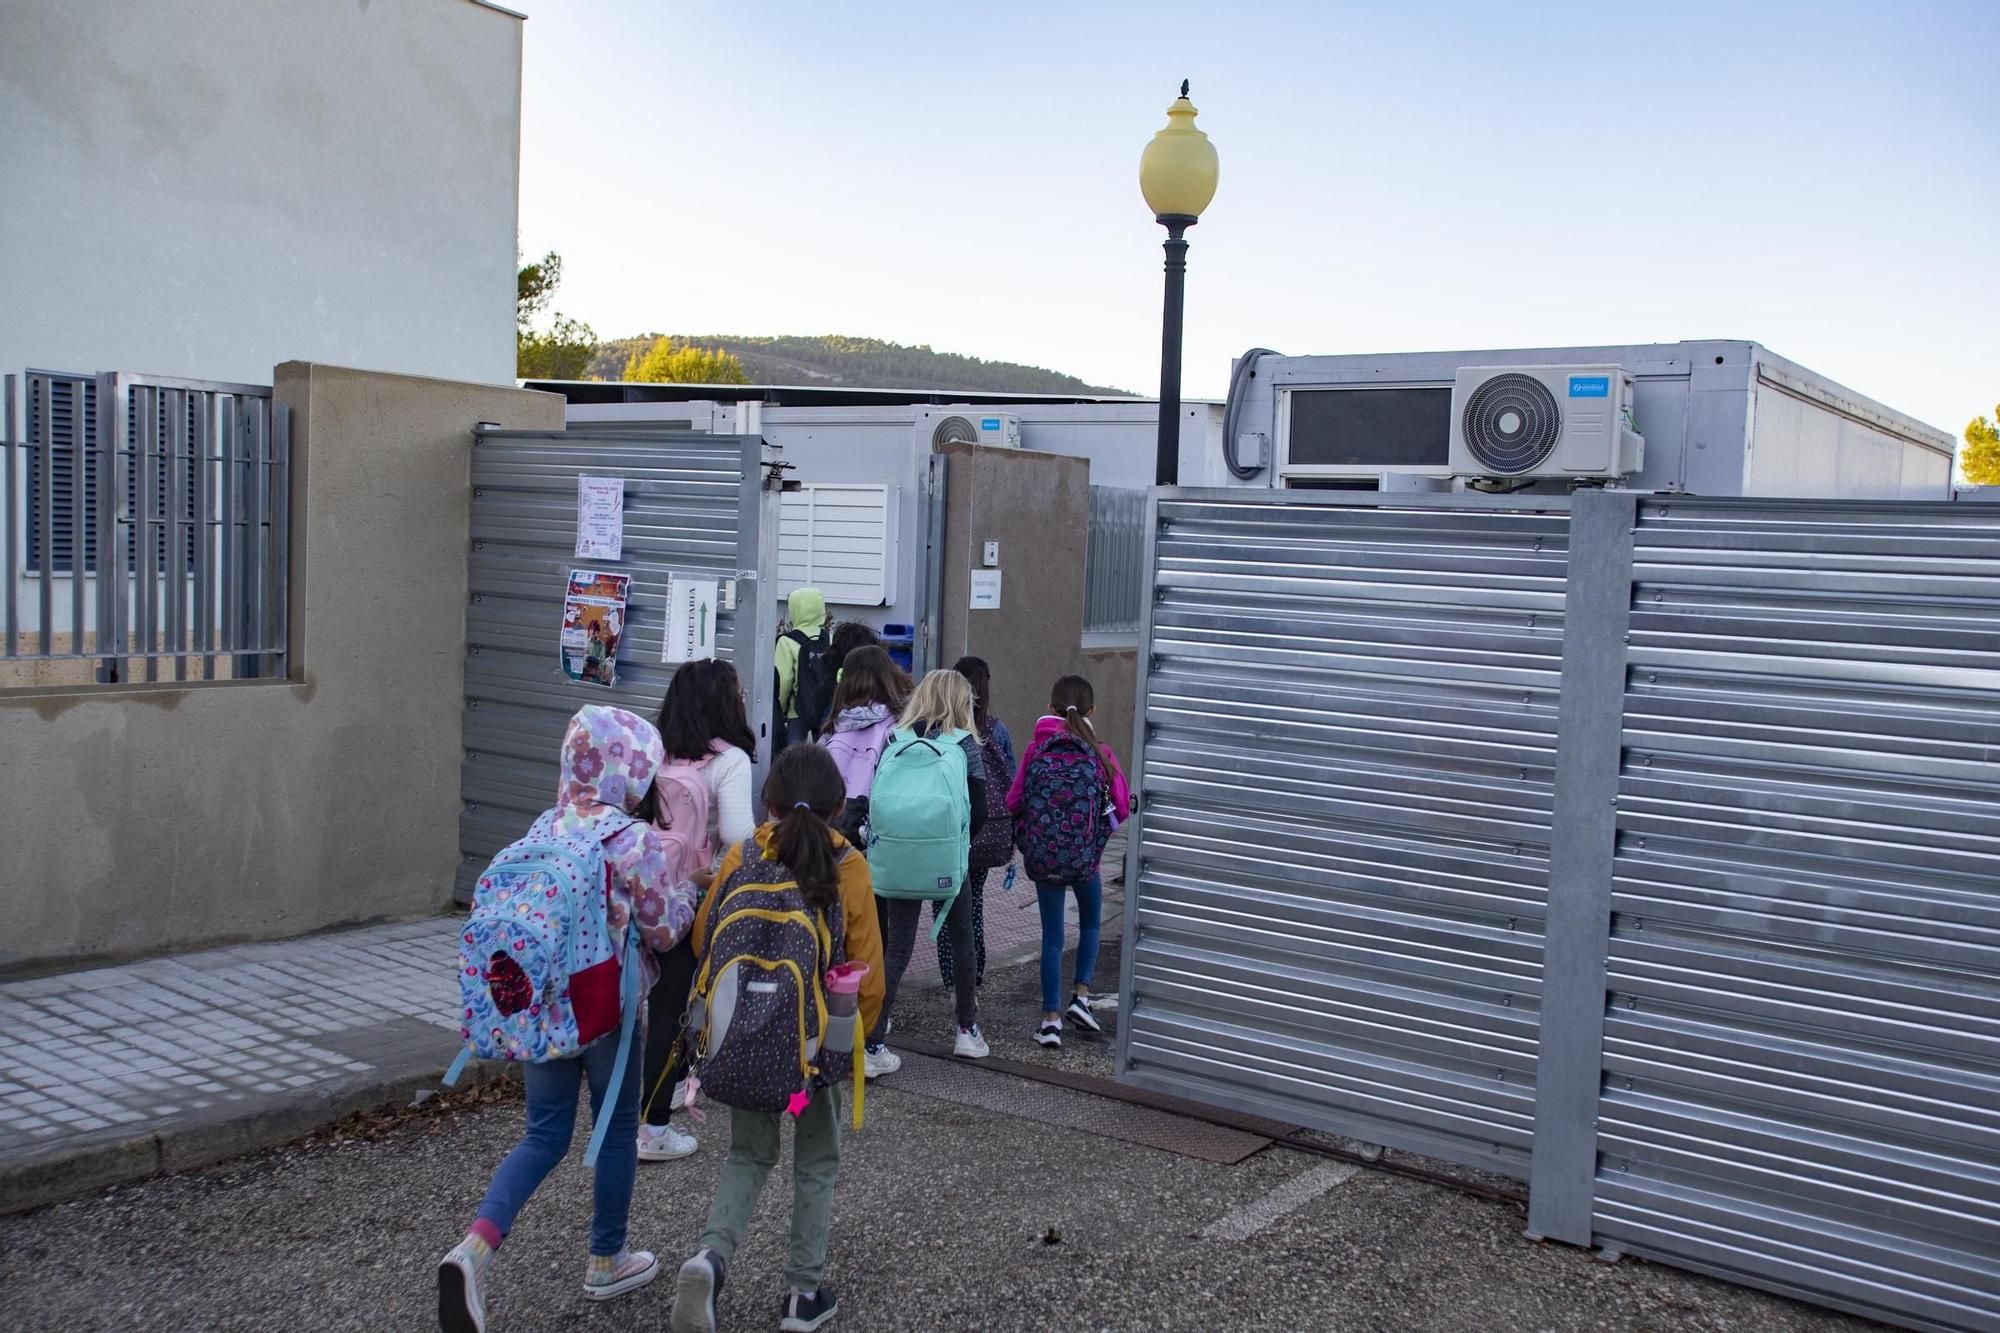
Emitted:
<point x="1113" y="674"/>
<point x="1037" y="506"/>
<point x="208" y="187"/>
<point x="152" y="818"/>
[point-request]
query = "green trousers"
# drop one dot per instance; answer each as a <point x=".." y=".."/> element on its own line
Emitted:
<point x="753" y="1151"/>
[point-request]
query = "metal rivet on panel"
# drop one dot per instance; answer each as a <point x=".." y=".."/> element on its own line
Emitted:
<point x="1500" y="1074"/>
<point x="1632" y="1002"/>
<point x="1652" y="680"/>
<point x="1507" y="1001"/>
<point x="1628" y="1085"/>
<point x="1524" y="775"/>
<point x="1510" y="923"/>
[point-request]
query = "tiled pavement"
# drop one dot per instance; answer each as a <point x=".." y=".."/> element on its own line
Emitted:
<point x="115" y="1072"/>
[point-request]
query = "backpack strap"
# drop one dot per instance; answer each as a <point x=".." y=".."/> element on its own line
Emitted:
<point x="629" y="1000"/>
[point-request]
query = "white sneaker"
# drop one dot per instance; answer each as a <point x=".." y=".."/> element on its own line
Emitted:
<point x="634" y="1269"/>
<point x="461" y="1306"/>
<point x="970" y="1044"/>
<point x="880" y="1061"/>
<point x="664" y="1143"/>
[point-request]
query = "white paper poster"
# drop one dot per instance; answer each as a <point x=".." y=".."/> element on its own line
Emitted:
<point x="600" y="518"/>
<point x="986" y="590"/>
<point x="691" y="605"/>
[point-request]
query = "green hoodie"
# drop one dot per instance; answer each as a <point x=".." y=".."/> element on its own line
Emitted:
<point x="807" y="611"/>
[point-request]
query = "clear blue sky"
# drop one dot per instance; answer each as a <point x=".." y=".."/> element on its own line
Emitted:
<point x="1823" y="178"/>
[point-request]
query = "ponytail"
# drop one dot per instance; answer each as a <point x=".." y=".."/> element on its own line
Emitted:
<point x="1071" y="699"/>
<point x="806" y="789"/>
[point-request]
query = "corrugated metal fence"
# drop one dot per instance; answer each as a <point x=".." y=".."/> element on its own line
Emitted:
<point x="1743" y="1013"/>
<point x="1115" y="561"/>
<point x="694" y="504"/>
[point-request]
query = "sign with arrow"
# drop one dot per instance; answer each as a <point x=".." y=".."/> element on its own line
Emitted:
<point x="691" y="607"/>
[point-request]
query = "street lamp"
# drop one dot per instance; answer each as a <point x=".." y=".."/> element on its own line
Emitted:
<point x="1177" y="174"/>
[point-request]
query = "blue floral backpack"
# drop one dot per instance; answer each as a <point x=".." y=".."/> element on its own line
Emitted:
<point x="540" y="976"/>
<point x="1064" y="820"/>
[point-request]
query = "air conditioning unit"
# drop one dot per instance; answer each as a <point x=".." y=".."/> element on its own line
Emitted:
<point x="1544" y="421"/>
<point x="1000" y="430"/>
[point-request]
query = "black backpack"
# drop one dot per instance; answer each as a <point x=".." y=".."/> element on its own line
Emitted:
<point x="812" y="689"/>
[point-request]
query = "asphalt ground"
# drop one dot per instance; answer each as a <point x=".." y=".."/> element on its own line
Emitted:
<point x="947" y="1217"/>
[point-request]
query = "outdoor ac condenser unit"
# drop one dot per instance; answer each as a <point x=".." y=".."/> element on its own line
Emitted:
<point x="1544" y="421"/>
<point x="971" y="426"/>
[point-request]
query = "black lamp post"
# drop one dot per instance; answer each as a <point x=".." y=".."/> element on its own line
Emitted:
<point x="1177" y="174"/>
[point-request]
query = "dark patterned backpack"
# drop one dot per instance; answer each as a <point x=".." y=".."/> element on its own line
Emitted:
<point x="1063" y="823"/>
<point x="993" y="845"/>
<point x="758" y="1012"/>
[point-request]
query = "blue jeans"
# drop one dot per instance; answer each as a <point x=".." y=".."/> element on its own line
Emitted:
<point x="551" y="1119"/>
<point x="1089" y="911"/>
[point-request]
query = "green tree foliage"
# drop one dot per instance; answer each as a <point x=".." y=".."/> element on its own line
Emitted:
<point x="1981" y="456"/>
<point x="562" y="351"/>
<point x="665" y="363"/>
<point x="868" y="362"/>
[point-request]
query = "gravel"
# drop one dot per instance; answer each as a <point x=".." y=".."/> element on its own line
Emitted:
<point x="947" y="1217"/>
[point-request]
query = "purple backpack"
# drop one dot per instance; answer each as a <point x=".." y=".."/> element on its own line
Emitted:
<point x="857" y="753"/>
<point x="1063" y="825"/>
<point x="993" y="845"/>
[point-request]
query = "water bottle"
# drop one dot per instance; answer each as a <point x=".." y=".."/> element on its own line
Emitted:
<point x="843" y="1000"/>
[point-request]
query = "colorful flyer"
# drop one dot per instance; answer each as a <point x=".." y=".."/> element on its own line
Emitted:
<point x="600" y="518"/>
<point x="593" y="624"/>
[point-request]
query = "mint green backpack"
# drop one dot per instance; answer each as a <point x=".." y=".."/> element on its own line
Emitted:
<point x="919" y="818"/>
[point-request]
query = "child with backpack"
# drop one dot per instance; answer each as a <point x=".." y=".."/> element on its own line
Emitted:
<point x="787" y="905"/>
<point x="871" y="692"/>
<point x="1067" y="798"/>
<point x="927" y="806"/>
<point x="805" y="665"/>
<point x="994" y="847"/>
<point x="704" y="805"/>
<point x="553" y="963"/>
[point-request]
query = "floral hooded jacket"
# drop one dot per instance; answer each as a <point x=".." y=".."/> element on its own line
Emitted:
<point x="609" y="757"/>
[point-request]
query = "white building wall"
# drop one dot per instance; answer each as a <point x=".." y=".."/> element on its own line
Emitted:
<point x="210" y="187"/>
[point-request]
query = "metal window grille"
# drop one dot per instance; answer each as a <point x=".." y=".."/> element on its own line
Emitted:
<point x="1115" y="561"/>
<point x="187" y="484"/>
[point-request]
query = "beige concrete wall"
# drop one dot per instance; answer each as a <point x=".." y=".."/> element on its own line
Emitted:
<point x="156" y="817"/>
<point x="1113" y="673"/>
<point x="1037" y="506"/>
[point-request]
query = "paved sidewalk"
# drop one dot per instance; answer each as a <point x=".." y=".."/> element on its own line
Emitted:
<point x="116" y="1073"/>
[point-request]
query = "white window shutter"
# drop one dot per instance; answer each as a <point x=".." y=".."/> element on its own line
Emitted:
<point x="841" y="539"/>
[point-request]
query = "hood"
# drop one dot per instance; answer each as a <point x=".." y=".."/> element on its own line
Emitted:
<point x="861" y="718"/>
<point x="807" y="609"/>
<point x="609" y="757"/>
<point x="1048" y="728"/>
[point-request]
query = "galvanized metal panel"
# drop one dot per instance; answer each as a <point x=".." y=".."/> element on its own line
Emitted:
<point x="1348" y="718"/>
<point x="693" y="505"/>
<point x="1802" y="1048"/>
<point x="1115" y="575"/>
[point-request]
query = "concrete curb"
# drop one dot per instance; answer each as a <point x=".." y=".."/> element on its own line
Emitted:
<point x="71" y="1170"/>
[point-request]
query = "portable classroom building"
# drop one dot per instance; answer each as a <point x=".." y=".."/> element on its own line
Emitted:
<point x="1721" y="417"/>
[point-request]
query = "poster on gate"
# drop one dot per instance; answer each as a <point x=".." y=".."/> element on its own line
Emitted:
<point x="593" y="624"/>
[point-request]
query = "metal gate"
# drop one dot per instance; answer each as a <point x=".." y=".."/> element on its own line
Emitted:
<point x="1341" y="859"/>
<point x="1742" y="1012"/>
<point x="694" y="504"/>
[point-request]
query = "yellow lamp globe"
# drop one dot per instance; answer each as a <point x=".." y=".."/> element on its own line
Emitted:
<point x="1178" y="170"/>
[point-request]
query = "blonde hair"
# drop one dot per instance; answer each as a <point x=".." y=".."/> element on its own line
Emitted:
<point x="943" y="702"/>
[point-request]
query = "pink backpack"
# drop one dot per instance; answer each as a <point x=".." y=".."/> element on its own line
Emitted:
<point x="683" y="817"/>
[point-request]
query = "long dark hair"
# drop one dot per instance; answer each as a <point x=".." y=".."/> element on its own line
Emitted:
<point x="806" y="790"/>
<point x="869" y="676"/>
<point x="980" y="677"/>
<point x="704" y="704"/>
<point x="1071" y="699"/>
